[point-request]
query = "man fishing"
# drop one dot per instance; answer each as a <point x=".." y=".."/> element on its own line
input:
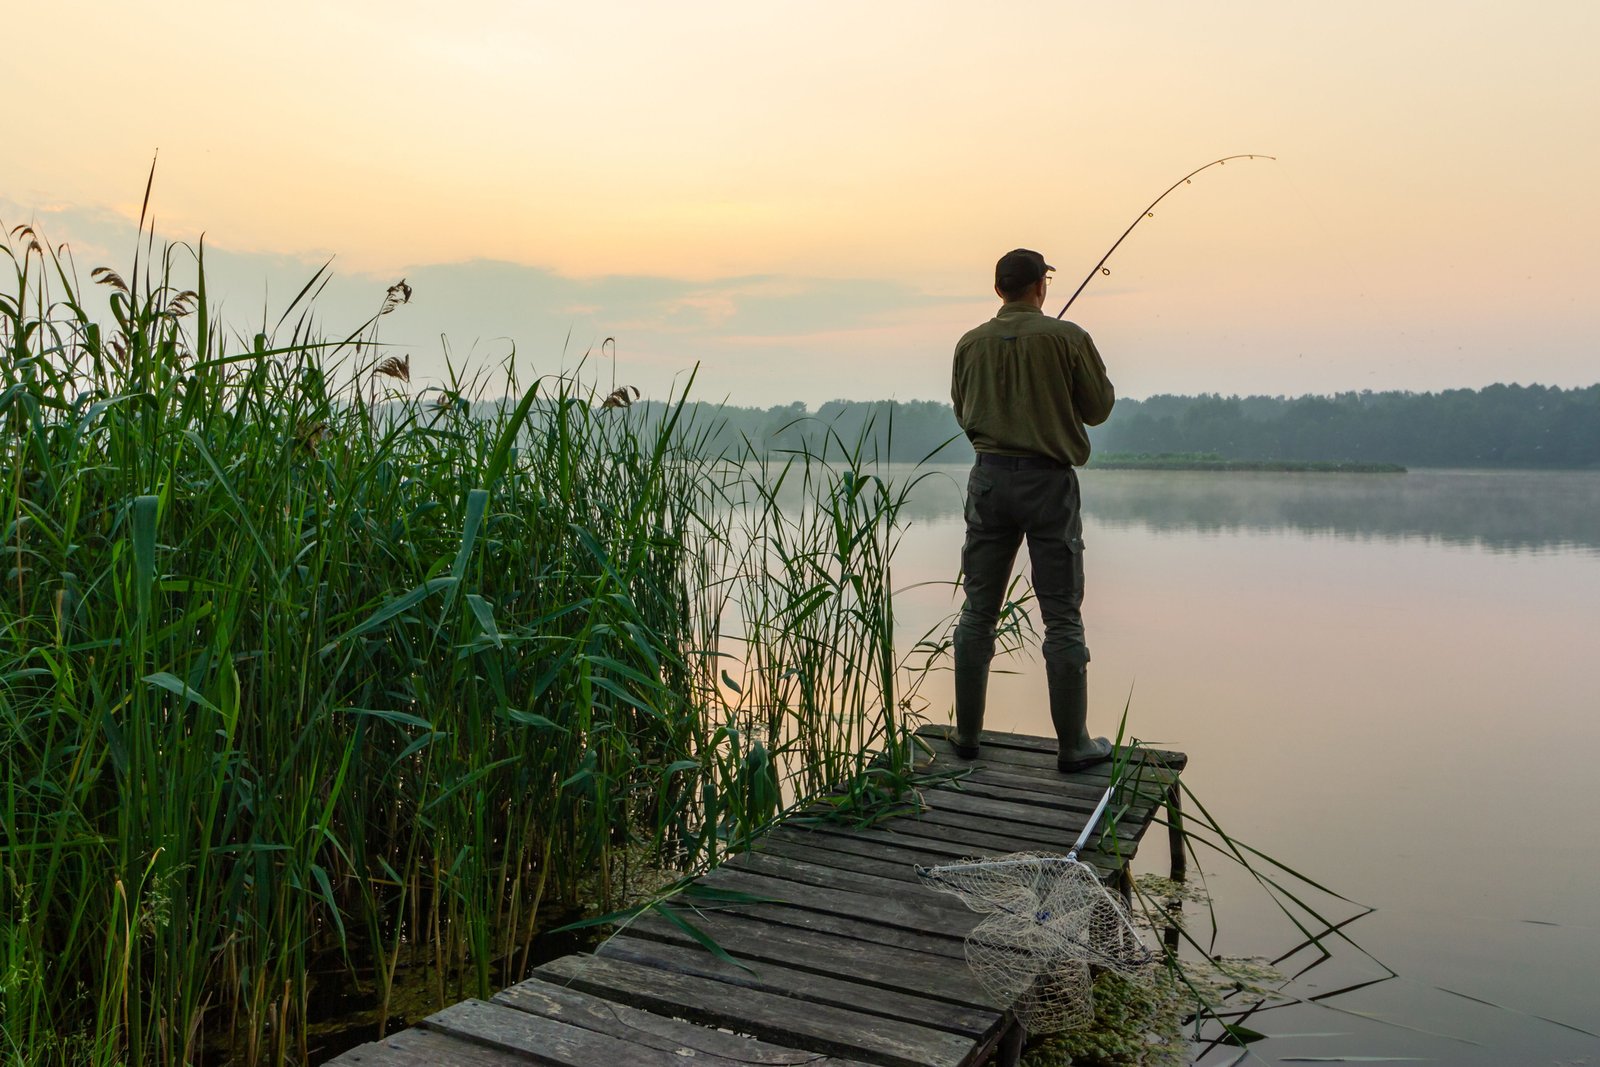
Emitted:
<point x="1024" y="386"/>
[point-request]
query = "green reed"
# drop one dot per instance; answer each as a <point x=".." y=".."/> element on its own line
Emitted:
<point x="299" y="661"/>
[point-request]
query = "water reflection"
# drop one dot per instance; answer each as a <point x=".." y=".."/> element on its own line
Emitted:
<point x="1503" y="511"/>
<point x="1384" y="681"/>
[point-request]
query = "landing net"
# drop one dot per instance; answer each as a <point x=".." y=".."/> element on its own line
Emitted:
<point x="1048" y="920"/>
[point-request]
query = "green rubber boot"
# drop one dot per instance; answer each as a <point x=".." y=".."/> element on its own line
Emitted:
<point x="1069" y="711"/>
<point x="972" y="696"/>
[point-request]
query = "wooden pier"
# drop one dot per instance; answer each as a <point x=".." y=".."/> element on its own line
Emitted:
<point x="848" y="959"/>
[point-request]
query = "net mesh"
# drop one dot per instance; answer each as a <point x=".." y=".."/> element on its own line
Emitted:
<point x="1047" y="920"/>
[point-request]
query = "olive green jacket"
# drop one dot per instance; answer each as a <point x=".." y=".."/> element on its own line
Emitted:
<point x="1027" y="384"/>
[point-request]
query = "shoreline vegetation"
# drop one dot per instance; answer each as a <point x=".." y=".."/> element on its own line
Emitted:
<point x="1212" y="461"/>
<point x="318" y="687"/>
<point x="1511" y="427"/>
<point x="300" y="664"/>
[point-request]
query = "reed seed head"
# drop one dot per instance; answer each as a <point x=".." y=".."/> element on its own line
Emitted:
<point x="622" y="396"/>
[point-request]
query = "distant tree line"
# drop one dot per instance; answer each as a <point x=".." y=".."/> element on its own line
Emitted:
<point x="1498" y="426"/>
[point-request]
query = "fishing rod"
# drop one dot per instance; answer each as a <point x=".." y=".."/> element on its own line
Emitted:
<point x="1149" y="212"/>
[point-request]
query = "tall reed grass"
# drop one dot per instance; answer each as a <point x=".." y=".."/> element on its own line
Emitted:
<point x="298" y="660"/>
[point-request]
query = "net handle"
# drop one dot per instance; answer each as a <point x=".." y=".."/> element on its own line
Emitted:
<point x="1088" y="827"/>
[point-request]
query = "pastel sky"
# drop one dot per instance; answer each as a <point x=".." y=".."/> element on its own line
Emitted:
<point x="807" y="199"/>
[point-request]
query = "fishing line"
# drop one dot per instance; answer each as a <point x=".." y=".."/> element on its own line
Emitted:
<point x="1148" y="213"/>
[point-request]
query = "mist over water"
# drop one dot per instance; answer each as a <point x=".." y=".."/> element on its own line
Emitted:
<point x="1386" y="682"/>
<point x="1498" y="510"/>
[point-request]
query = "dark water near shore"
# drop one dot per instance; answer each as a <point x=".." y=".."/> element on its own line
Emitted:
<point x="1389" y="682"/>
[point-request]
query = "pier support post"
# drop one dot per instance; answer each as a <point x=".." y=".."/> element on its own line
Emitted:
<point x="1125" y="886"/>
<point x="1180" y="859"/>
<point x="1010" y="1051"/>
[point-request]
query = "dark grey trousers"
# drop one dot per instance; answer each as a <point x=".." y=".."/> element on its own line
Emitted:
<point x="1004" y="506"/>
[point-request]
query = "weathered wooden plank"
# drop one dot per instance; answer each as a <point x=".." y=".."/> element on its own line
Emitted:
<point x="943" y="754"/>
<point x="1132" y="820"/>
<point x="1037" y="802"/>
<point x="543" y="1040"/>
<point x="803" y="985"/>
<point x="919" y="913"/>
<point x="1127" y="827"/>
<point x="424" y="1048"/>
<point x="708" y="1047"/>
<point x="983" y="829"/>
<point x="869" y="859"/>
<point x="815" y="1027"/>
<point x="967" y="843"/>
<point x="871" y="845"/>
<point x="1043" y="778"/>
<point x="1143" y="760"/>
<point x="1052" y="789"/>
<point x="812" y="872"/>
<point x="918" y="843"/>
<point x="1010" y="812"/>
<point x="1055" y="800"/>
<point x="756" y="937"/>
<point x="799" y="847"/>
<point x="1018" y="786"/>
<point x="846" y="925"/>
<point x="1026" y="742"/>
<point x="1037" y="772"/>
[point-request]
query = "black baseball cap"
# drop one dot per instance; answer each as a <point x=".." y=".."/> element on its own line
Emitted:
<point x="1018" y="269"/>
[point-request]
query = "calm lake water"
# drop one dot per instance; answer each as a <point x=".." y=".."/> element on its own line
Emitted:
<point x="1391" y="683"/>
